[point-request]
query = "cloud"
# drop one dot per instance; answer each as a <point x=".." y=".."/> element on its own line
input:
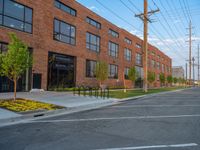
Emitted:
<point x="93" y="8"/>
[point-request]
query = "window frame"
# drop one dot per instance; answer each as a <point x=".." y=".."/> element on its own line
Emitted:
<point x="113" y="33"/>
<point x="59" y="32"/>
<point x="23" y="22"/>
<point x="128" y="41"/>
<point x="91" y="21"/>
<point x="138" y="59"/>
<point x="89" y="70"/>
<point x="70" y="8"/>
<point x="97" y="45"/>
<point x="137" y="45"/>
<point x="111" y="51"/>
<point x="127" y="56"/>
<point x="126" y="70"/>
<point x="110" y="69"/>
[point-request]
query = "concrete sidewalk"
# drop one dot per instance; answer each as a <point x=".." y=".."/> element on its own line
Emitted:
<point x="64" y="99"/>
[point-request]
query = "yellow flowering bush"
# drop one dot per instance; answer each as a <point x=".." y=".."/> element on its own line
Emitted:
<point x="22" y="105"/>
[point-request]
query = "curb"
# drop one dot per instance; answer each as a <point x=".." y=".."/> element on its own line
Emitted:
<point x="150" y="95"/>
<point x="53" y="113"/>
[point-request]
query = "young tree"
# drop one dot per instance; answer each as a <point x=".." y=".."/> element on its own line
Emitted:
<point x="175" y="80"/>
<point x="151" y="77"/>
<point x="162" y="78"/>
<point x="132" y="74"/>
<point x="169" y="79"/>
<point x="101" y="71"/>
<point x="16" y="60"/>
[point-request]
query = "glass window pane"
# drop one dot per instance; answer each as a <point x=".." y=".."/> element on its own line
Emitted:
<point x="73" y="12"/>
<point x="28" y="15"/>
<point x="93" y="39"/>
<point x="66" y="9"/>
<point x="57" y="4"/>
<point x="17" y="9"/>
<point x="57" y="36"/>
<point x="1" y="6"/>
<point x="56" y="25"/>
<point x="73" y="32"/>
<point x="72" y="41"/>
<point x="87" y="45"/>
<point x="13" y="23"/>
<point x="28" y="28"/>
<point x="63" y="28"/>
<point x="87" y="37"/>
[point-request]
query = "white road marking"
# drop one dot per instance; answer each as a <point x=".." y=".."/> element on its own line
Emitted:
<point x="153" y="146"/>
<point x="115" y="118"/>
<point x="155" y="106"/>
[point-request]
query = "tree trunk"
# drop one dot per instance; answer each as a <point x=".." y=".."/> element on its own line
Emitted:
<point x="15" y="88"/>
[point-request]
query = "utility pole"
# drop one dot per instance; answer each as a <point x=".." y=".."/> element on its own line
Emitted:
<point x="193" y="70"/>
<point x="198" y="65"/>
<point x="190" y="52"/>
<point x="186" y="71"/>
<point x="145" y="18"/>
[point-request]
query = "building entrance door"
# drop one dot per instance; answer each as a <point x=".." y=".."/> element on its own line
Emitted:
<point x="61" y="71"/>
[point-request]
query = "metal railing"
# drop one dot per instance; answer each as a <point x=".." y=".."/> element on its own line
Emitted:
<point x="92" y="91"/>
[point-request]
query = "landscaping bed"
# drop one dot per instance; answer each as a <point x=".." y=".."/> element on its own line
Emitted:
<point x="24" y="105"/>
<point x="131" y="93"/>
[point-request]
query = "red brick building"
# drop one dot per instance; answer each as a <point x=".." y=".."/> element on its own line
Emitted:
<point x="66" y="40"/>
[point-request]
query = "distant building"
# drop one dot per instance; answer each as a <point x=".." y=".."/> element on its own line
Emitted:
<point x="178" y="72"/>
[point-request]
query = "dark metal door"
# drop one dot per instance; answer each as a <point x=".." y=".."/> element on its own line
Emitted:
<point x="37" y="81"/>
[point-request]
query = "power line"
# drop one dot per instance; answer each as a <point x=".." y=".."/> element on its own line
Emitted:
<point x="117" y="15"/>
<point x="153" y="31"/>
<point x="172" y="34"/>
<point x="166" y="29"/>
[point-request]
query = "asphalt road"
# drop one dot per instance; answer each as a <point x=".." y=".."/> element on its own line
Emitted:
<point x="164" y="122"/>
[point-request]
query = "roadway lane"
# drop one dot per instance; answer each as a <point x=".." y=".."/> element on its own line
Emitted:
<point x="165" y="122"/>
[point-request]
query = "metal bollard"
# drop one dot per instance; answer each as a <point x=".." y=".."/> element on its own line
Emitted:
<point x="79" y="90"/>
<point x="108" y="92"/>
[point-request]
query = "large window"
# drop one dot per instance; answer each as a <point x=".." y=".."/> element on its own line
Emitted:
<point x="65" y="8"/>
<point x="139" y="71"/>
<point x="61" y="71"/>
<point x="93" y="23"/>
<point x="127" y="54"/>
<point x="138" y="46"/>
<point x="128" y="41"/>
<point x="126" y="70"/>
<point x="64" y="32"/>
<point x="158" y="65"/>
<point x="113" y="49"/>
<point x="163" y="68"/>
<point x="153" y="63"/>
<point x="90" y="68"/>
<point x="113" y="33"/>
<point x="113" y="71"/>
<point x="92" y="42"/>
<point x="138" y="59"/>
<point x="15" y="15"/>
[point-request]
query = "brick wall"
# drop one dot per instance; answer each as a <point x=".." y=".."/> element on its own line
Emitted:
<point x="42" y="41"/>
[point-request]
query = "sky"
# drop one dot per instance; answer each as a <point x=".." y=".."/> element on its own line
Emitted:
<point x="168" y="29"/>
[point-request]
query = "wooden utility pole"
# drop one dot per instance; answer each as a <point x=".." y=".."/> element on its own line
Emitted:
<point x="190" y="52"/>
<point x="145" y="18"/>
<point x="198" y="65"/>
<point x="193" y="70"/>
<point x="186" y="72"/>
